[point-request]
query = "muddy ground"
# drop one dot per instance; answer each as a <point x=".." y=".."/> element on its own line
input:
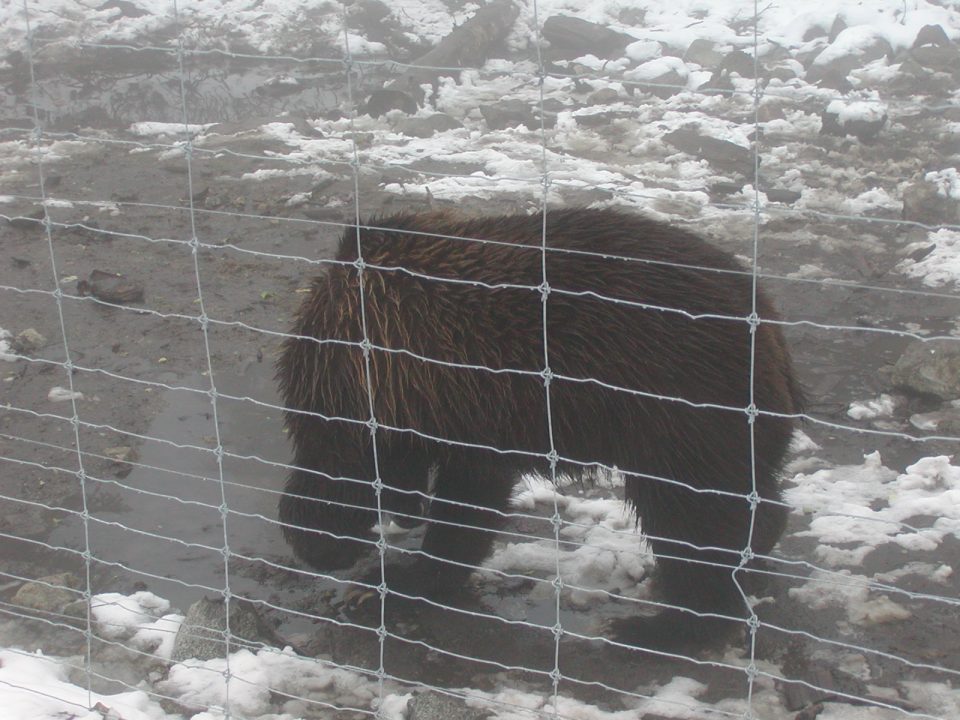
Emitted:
<point x="142" y="368"/>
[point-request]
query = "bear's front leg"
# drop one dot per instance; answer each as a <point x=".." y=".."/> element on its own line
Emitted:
<point x="327" y="521"/>
<point x="467" y="510"/>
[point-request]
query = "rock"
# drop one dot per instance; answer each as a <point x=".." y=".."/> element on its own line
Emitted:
<point x="425" y="127"/>
<point x="435" y="706"/>
<point x="571" y="37"/>
<point x="126" y="8"/>
<point x="663" y="77"/>
<point x="508" y="114"/>
<point x="939" y="58"/>
<point x="861" y="119"/>
<point x="852" y="48"/>
<point x="819" y="30"/>
<point x="201" y="633"/>
<point x="931" y="35"/>
<point x="643" y="50"/>
<point x="929" y="368"/>
<point x="602" y="119"/>
<point x="945" y="421"/>
<point x="603" y="96"/>
<point x="704" y="53"/>
<point x="783" y="71"/>
<point x="719" y="81"/>
<point x="48" y="594"/>
<point x="722" y="154"/>
<point x="782" y="196"/>
<point x="924" y="202"/>
<point x="740" y="63"/>
<point x="835" y="80"/>
<point x="28" y="341"/>
<point x="775" y="53"/>
<point x="383" y="101"/>
<point x="838" y="26"/>
<point x="722" y="189"/>
<point x="123" y="456"/>
<point x="111" y="287"/>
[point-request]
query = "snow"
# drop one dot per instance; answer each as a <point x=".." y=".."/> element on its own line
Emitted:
<point x="6" y="351"/>
<point x="35" y="687"/>
<point x="654" y="69"/>
<point x="947" y="182"/>
<point x="151" y="129"/>
<point x="859" y="508"/>
<point x="883" y="406"/>
<point x="62" y="394"/>
<point x="608" y="554"/>
<point x="941" y="267"/>
<point x="862" y="110"/>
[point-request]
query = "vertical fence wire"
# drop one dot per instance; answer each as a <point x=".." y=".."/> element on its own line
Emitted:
<point x="68" y="365"/>
<point x="208" y="357"/>
<point x="366" y="348"/>
<point x="556" y="521"/>
<point x="753" y="622"/>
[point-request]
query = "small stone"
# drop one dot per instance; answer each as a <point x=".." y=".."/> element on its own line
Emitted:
<point x="122" y="453"/>
<point x="931" y="35"/>
<point x="28" y="341"/>
<point x="509" y="114"/>
<point x="201" y="634"/>
<point x="662" y="77"/>
<point x="945" y="59"/>
<point x="434" y="706"/>
<point x="383" y="101"/>
<point x="603" y="96"/>
<point x="425" y="127"/>
<point x="720" y="153"/>
<point x="111" y="287"/>
<point x="571" y="37"/>
<point x="704" y="53"/>
<point x="929" y="368"/>
<point x="740" y="63"/>
<point x="865" y="122"/>
<point x="48" y="594"/>
<point x="782" y="195"/>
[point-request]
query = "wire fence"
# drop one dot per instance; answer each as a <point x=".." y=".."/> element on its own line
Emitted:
<point x="198" y="514"/>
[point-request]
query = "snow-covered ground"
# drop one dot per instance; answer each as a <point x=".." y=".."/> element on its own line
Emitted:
<point x="843" y="84"/>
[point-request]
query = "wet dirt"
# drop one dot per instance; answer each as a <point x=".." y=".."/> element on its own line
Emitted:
<point x="163" y="517"/>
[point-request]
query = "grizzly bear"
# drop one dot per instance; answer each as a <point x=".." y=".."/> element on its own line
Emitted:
<point x="454" y="346"/>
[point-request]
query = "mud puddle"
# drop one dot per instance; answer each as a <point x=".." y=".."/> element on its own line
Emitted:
<point x="164" y="518"/>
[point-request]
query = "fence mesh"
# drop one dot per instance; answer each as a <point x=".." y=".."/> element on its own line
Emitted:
<point x="176" y="176"/>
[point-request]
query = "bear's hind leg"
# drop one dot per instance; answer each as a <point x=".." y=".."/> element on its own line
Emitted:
<point x="698" y="539"/>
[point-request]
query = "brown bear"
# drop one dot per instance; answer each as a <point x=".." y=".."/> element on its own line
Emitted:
<point x="454" y="358"/>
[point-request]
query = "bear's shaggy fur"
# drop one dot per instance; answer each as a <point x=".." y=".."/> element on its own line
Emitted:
<point x="659" y="393"/>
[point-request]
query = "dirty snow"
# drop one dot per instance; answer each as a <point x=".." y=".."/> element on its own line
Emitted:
<point x="941" y="267"/>
<point x="858" y="508"/>
<point x="883" y="406"/>
<point x="6" y="351"/>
